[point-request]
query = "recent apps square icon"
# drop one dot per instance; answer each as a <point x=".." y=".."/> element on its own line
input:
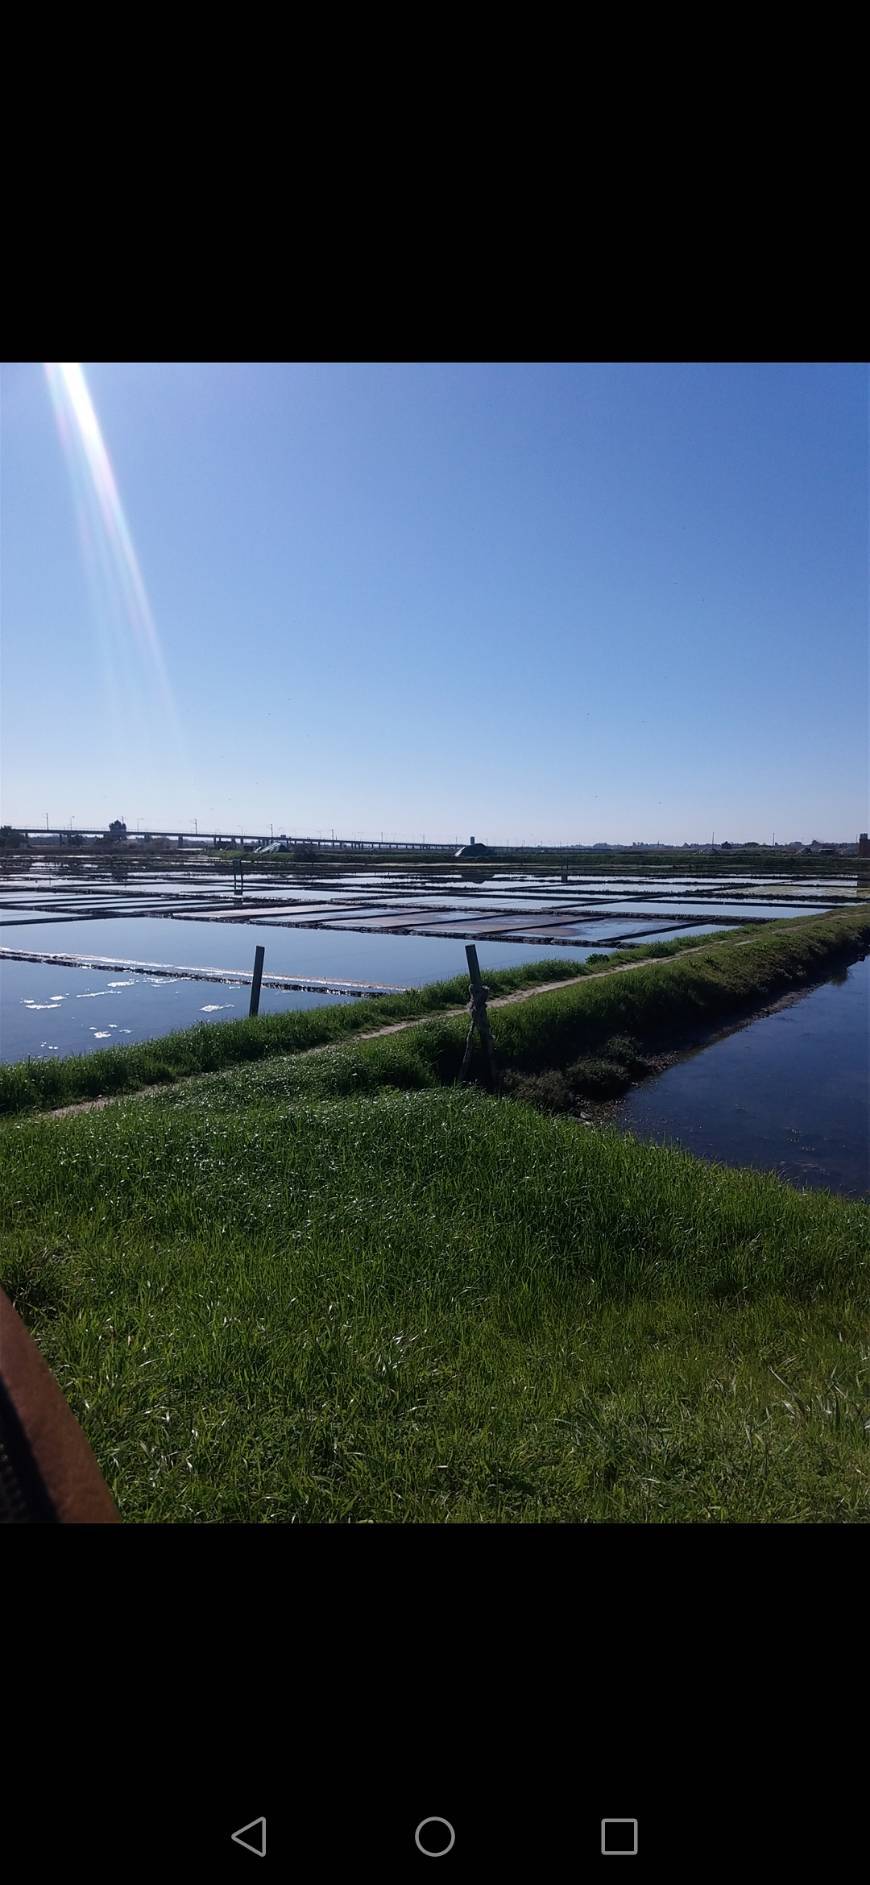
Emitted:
<point x="619" y="1836"/>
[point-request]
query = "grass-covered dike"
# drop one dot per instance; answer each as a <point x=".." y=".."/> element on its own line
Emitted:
<point x="211" y="1046"/>
<point x="746" y="967"/>
<point x="328" y="1287"/>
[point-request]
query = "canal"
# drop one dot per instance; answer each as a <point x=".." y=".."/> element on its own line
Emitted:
<point x="788" y="1093"/>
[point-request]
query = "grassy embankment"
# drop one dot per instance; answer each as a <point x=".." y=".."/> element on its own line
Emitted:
<point x="208" y="1047"/>
<point x="598" y="1035"/>
<point x="295" y="1293"/>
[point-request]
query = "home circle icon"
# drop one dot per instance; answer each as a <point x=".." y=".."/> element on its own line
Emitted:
<point x="435" y="1837"/>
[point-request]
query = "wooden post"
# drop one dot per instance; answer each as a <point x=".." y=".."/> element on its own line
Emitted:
<point x="479" y="1019"/>
<point x="259" y="953"/>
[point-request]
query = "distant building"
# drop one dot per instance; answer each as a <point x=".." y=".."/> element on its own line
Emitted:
<point x="863" y="845"/>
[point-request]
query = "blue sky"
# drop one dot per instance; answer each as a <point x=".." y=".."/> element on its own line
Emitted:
<point x="533" y="602"/>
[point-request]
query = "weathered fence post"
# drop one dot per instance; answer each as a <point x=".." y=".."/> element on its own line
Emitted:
<point x="259" y="953"/>
<point x="479" y="1019"/>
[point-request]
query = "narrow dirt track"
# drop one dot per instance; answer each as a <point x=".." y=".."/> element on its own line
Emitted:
<point x="373" y="1034"/>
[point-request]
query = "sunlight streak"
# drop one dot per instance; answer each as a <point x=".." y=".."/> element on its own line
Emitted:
<point x="107" y="544"/>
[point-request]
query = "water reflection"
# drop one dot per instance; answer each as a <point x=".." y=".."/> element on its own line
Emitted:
<point x="41" y="1016"/>
<point x="790" y="1093"/>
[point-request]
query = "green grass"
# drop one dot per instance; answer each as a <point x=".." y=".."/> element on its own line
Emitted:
<point x="716" y="979"/>
<point x="269" y="1301"/>
<point x="29" y="1084"/>
<point x="607" y="1023"/>
<point x="588" y="1040"/>
<point x="326" y="1288"/>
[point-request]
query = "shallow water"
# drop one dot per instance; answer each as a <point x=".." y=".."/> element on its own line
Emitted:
<point x="789" y="1093"/>
<point x="49" y="1011"/>
<point x="687" y="929"/>
<point x="610" y="932"/>
<point x="150" y="1006"/>
<point x="403" y="960"/>
<point x="31" y="1023"/>
<point x="703" y="905"/>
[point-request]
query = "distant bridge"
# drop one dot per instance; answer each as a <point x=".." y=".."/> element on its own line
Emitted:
<point x="82" y="834"/>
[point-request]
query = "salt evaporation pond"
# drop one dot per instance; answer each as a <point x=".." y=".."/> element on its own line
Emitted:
<point x="48" y="1009"/>
<point x="150" y="1007"/>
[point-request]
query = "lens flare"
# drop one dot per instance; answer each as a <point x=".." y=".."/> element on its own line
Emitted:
<point x="124" y="613"/>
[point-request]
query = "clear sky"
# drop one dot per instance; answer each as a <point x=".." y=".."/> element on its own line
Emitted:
<point x="532" y="602"/>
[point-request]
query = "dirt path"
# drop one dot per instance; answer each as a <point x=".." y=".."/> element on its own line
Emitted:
<point x="393" y="1027"/>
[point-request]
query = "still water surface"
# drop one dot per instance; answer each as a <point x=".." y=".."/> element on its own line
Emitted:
<point x="48" y="1010"/>
<point x="789" y="1093"/>
<point x="148" y="1006"/>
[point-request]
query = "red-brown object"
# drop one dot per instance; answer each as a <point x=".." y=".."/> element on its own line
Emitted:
<point x="48" y="1471"/>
